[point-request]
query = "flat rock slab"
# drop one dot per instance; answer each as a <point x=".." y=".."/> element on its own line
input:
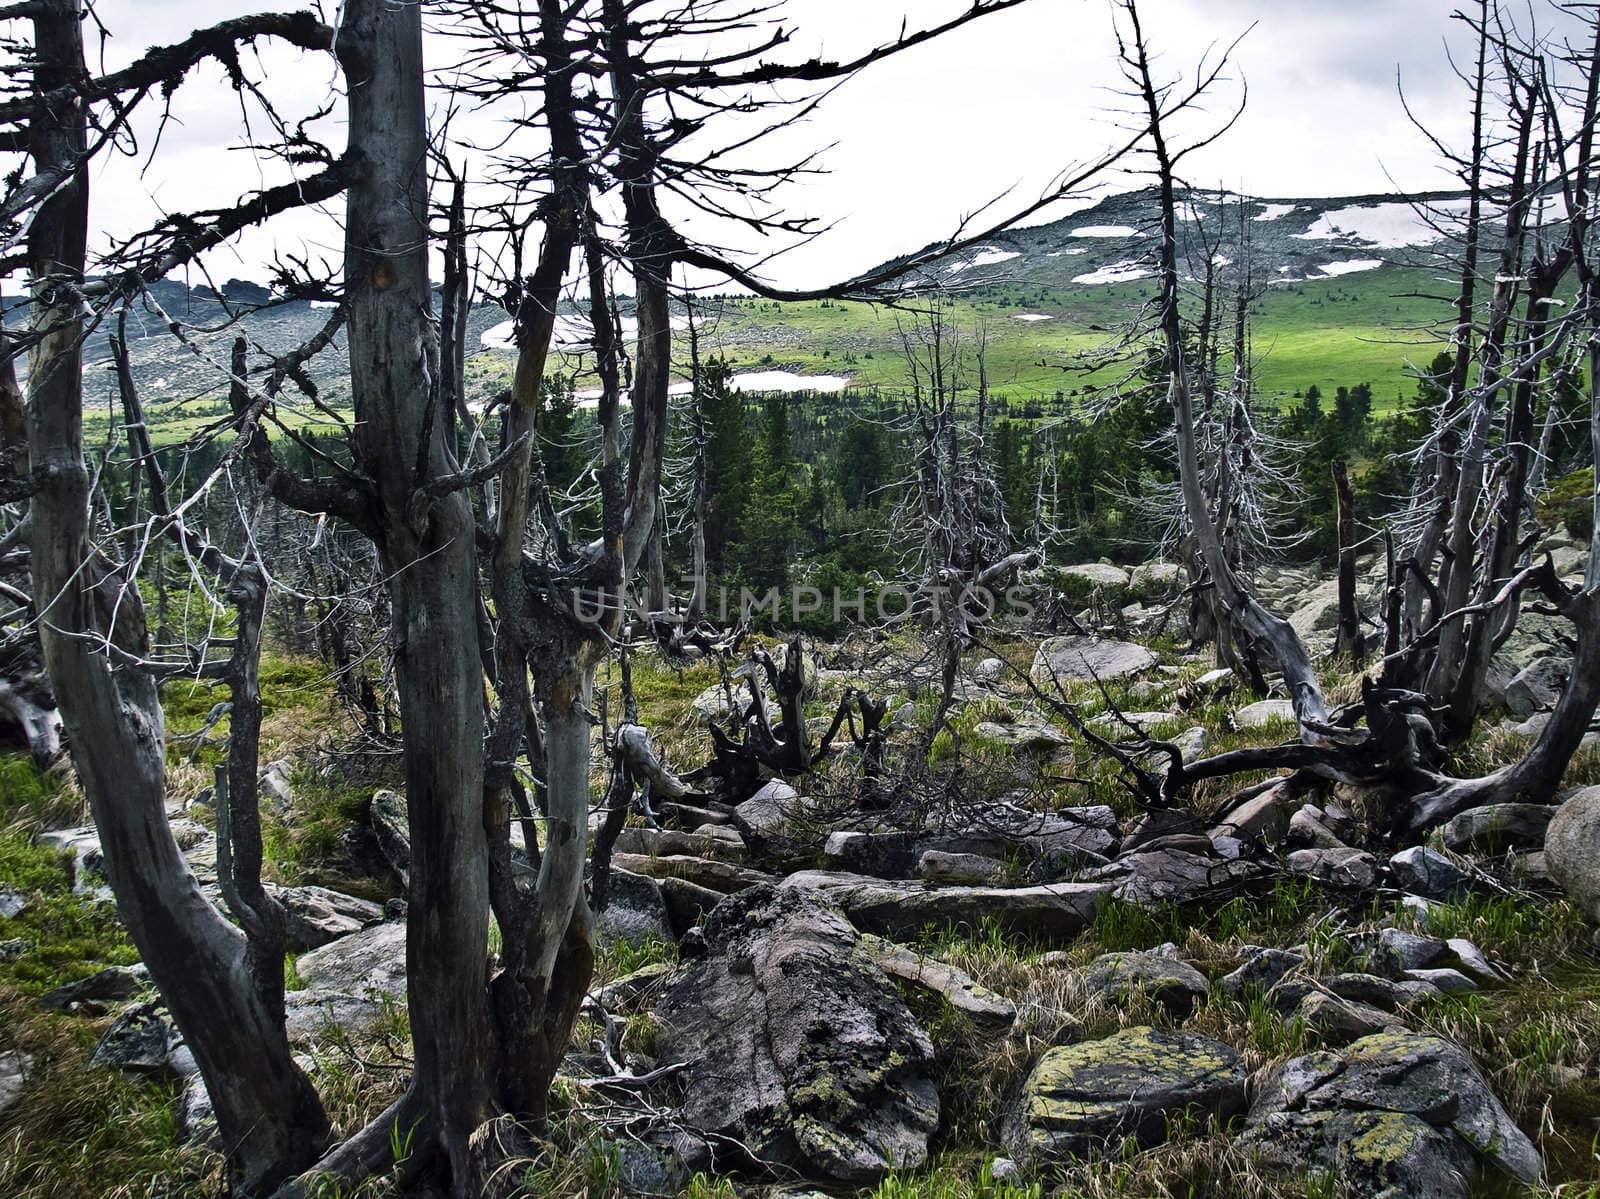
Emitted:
<point x="1172" y="875"/>
<point x="1394" y="1114"/>
<point x="714" y="875"/>
<point x="904" y="910"/>
<point x="1086" y="1098"/>
<point x="727" y="846"/>
<point x="372" y="961"/>
<point x="799" y="1049"/>
<point x="979" y="1004"/>
<point x="1084" y="659"/>
<point x="317" y="915"/>
<point x="1264" y="712"/>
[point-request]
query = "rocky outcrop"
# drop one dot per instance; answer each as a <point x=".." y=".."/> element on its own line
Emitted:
<point x="798" y="1048"/>
<point x="1086" y="1098"/>
<point x="1396" y="1115"/>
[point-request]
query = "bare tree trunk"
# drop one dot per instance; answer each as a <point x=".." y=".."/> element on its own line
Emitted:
<point x="269" y="1116"/>
<point x="1348" y="643"/>
<point x="426" y="546"/>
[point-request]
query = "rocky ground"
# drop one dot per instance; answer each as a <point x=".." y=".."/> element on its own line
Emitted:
<point x="1007" y="981"/>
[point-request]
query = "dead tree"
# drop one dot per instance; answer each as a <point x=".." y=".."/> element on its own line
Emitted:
<point x="222" y="990"/>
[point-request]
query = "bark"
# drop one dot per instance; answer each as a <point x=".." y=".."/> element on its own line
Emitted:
<point x="426" y="546"/>
<point x="269" y="1117"/>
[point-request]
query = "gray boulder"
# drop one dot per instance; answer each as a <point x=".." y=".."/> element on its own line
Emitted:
<point x="960" y="869"/>
<point x="1394" y="1115"/>
<point x="1264" y="712"/>
<point x="1537" y="686"/>
<point x="989" y="671"/>
<point x="274" y="786"/>
<point x="902" y="910"/>
<point x="636" y="909"/>
<point x="1262" y="969"/>
<point x="317" y="915"/>
<point x="12" y="903"/>
<point x="768" y="817"/>
<point x="798" y="1048"/>
<point x="1427" y="872"/>
<point x="1098" y="574"/>
<point x="114" y="982"/>
<point x="1175" y="875"/>
<point x="1085" y="1098"/>
<point x="370" y="961"/>
<point x="725" y="845"/>
<point x="1495" y="828"/>
<point x="1081" y="659"/>
<point x="1353" y="869"/>
<point x="1572" y="849"/>
<point x="391" y="826"/>
<point x="143" y="1041"/>
<point x="14" y="1067"/>
<point x="1175" y="985"/>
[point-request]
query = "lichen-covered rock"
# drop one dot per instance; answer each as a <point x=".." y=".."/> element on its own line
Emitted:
<point x="1175" y="985"/>
<point x="1374" y="1154"/>
<point x="1572" y="849"/>
<point x="798" y="1048"/>
<point x="903" y="910"/>
<point x="143" y="1041"/>
<point x="1082" y="659"/>
<point x="960" y="869"/>
<point x="1085" y="1098"/>
<point x="1395" y="1115"/>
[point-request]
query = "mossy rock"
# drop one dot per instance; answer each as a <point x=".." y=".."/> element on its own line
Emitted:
<point x="1400" y="1115"/>
<point x="1140" y="1083"/>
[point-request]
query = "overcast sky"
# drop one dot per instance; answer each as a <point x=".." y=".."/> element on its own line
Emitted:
<point x="924" y="138"/>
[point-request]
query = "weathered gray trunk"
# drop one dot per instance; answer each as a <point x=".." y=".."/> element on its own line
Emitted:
<point x="270" y="1119"/>
<point x="426" y="546"/>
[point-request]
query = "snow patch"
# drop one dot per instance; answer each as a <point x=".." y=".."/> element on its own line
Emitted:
<point x="324" y="303"/>
<point x="1065" y="253"/>
<point x="749" y="382"/>
<point x="1349" y="268"/>
<point x="1392" y="226"/>
<point x="987" y="256"/>
<point x="501" y="337"/>
<point x="1031" y="316"/>
<point x="1106" y="231"/>
<point x="1117" y="272"/>
<point x="1272" y="212"/>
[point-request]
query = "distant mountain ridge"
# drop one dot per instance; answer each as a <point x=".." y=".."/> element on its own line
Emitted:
<point x="1290" y="240"/>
